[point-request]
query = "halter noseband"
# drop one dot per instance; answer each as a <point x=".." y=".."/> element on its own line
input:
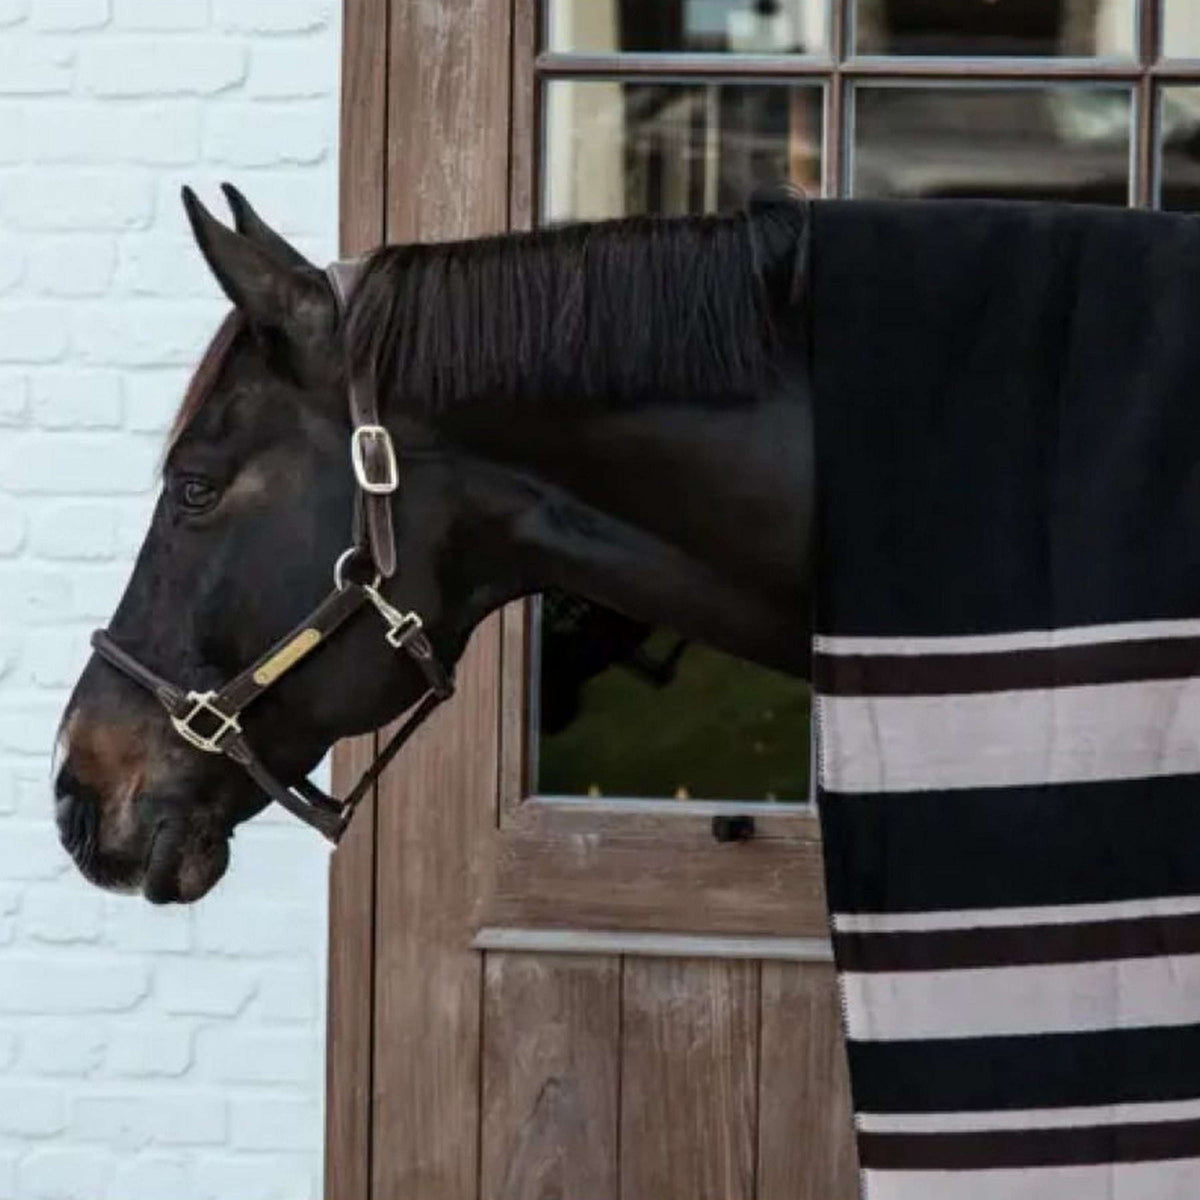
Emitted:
<point x="210" y="721"/>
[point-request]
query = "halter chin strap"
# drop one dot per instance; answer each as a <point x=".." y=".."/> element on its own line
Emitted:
<point x="211" y="721"/>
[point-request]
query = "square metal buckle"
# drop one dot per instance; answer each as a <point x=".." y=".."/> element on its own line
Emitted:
<point x="358" y="457"/>
<point x="202" y="702"/>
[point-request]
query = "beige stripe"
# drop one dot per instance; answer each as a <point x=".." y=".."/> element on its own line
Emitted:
<point x="999" y="643"/>
<point x="1001" y="1001"/>
<point x="1006" y="739"/>
<point x="1000" y="918"/>
<point x="1177" y="1180"/>
<point x="1034" y="1118"/>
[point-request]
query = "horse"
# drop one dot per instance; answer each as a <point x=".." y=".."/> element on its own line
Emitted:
<point x="620" y="410"/>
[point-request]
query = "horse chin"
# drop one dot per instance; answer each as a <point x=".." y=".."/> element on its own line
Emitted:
<point x="184" y="865"/>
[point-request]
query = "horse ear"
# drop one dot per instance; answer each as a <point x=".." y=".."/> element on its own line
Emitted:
<point x="250" y="225"/>
<point x="277" y="298"/>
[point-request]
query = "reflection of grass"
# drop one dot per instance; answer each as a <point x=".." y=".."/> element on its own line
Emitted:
<point x="724" y="730"/>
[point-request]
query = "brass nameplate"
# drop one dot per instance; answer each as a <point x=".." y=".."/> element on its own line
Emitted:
<point x="288" y="657"/>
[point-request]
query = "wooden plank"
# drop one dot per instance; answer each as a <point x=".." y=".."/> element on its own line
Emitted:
<point x="550" y="1071"/>
<point x="652" y="945"/>
<point x="806" y="1138"/>
<point x="348" y="1043"/>
<point x="448" y="141"/>
<point x="668" y="875"/>
<point x="688" y="1079"/>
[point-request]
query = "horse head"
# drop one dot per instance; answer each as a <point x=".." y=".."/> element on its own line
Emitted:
<point x="254" y="512"/>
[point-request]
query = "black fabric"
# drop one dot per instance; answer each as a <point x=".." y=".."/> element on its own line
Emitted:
<point x="1018" y="387"/>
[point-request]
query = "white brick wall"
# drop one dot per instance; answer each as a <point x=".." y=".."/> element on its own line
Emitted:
<point x="145" y="1054"/>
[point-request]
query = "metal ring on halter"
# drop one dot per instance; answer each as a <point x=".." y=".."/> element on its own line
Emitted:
<point x="339" y="567"/>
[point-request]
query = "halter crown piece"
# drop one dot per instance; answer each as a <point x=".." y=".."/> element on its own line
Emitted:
<point x="210" y="721"/>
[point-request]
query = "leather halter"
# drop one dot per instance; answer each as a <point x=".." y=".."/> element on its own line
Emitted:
<point x="210" y="721"/>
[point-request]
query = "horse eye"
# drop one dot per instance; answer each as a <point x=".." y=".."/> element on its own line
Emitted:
<point x="195" y="494"/>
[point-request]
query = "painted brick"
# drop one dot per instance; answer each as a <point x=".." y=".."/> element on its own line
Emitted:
<point x="152" y="1178"/>
<point x="62" y="913"/>
<point x="72" y="266"/>
<point x="68" y="198"/>
<point x="31" y="1109"/>
<point x="160" y="14"/>
<point x="29" y="852"/>
<point x="65" y="983"/>
<point x="12" y="525"/>
<point x="132" y="924"/>
<point x="265" y="135"/>
<point x="34" y="596"/>
<point x="264" y="1123"/>
<point x="72" y="464"/>
<point x="14" y="400"/>
<point x="100" y="124"/>
<point x="62" y="1047"/>
<point x="277" y="929"/>
<point x="291" y="68"/>
<point x="285" y="995"/>
<point x="12" y="262"/>
<point x="139" y="333"/>
<point x="145" y="67"/>
<point x="230" y="1055"/>
<point x="204" y="987"/>
<point x="65" y="1174"/>
<point x="72" y="531"/>
<point x="163" y="132"/>
<point x="126" y="1121"/>
<point x="273" y="16"/>
<point x="257" y="1177"/>
<point x="33" y="69"/>
<point x="156" y="266"/>
<point x="150" y="1049"/>
<point x="74" y="399"/>
<point x="69" y="15"/>
<point x="12" y="11"/>
<point x="32" y="333"/>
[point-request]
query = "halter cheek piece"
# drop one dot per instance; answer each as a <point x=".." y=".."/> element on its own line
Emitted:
<point x="210" y="721"/>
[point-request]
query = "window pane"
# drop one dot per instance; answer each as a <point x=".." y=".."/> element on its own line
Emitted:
<point x="989" y="27"/>
<point x="617" y="149"/>
<point x="1065" y="143"/>
<point x="696" y="26"/>
<point x="625" y="709"/>
<point x="1181" y="29"/>
<point x="1181" y="148"/>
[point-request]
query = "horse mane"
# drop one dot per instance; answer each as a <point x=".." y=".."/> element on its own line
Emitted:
<point x="623" y="313"/>
<point x="204" y="378"/>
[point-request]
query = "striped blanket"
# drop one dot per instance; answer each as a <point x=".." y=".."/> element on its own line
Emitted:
<point x="1007" y="664"/>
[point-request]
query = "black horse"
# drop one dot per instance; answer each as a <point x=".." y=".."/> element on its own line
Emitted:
<point x="619" y="410"/>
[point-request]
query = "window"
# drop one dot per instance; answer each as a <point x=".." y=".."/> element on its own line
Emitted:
<point x="677" y="106"/>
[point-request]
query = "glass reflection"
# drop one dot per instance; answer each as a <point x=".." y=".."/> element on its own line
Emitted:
<point x="1181" y="29"/>
<point x="1180" y="132"/>
<point x="683" y="26"/>
<point x="1079" y="28"/>
<point x="625" y="709"/>
<point x="1065" y="143"/>
<point x="617" y="149"/>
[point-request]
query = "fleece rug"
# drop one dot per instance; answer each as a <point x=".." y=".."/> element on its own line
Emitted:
<point x="1007" y="668"/>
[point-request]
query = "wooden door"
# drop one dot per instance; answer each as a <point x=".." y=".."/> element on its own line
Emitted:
<point x="532" y="998"/>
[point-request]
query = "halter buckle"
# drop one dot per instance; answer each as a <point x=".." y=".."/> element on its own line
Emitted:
<point x="402" y="627"/>
<point x="202" y="702"/>
<point x="378" y="436"/>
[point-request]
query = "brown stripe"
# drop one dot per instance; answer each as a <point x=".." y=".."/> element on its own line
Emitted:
<point x="1091" y="1145"/>
<point x="1025" y="945"/>
<point x="1015" y="670"/>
